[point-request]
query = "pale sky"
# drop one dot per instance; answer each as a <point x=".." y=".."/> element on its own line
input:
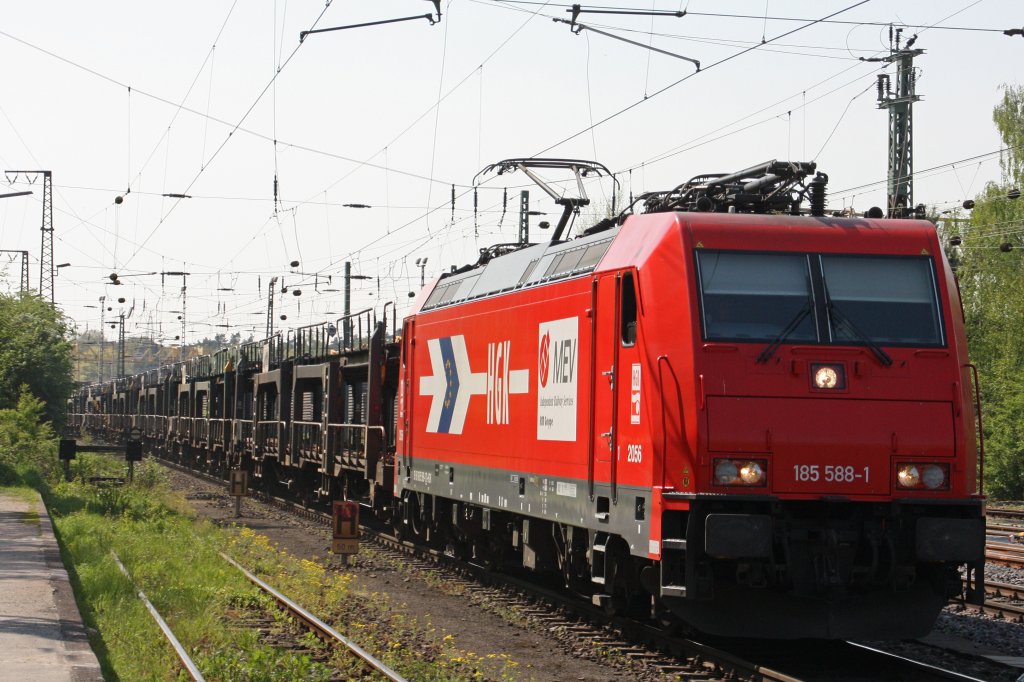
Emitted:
<point x="181" y="98"/>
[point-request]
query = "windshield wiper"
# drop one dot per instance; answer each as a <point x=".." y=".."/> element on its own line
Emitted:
<point x="843" y="321"/>
<point x="770" y="349"/>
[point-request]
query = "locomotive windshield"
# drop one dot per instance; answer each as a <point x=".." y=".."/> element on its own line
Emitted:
<point x="890" y="300"/>
<point x="818" y="298"/>
<point x="755" y="296"/>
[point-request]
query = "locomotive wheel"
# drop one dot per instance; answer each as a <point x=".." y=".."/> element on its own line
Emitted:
<point x="410" y="523"/>
<point x="616" y="580"/>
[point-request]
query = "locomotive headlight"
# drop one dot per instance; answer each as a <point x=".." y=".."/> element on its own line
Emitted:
<point x="741" y="472"/>
<point x="922" y="476"/>
<point x="825" y="377"/>
<point x="908" y="476"/>
<point x="933" y="476"/>
<point x="726" y="472"/>
<point x="828" y="377"/>
<point x="751" y="473"/>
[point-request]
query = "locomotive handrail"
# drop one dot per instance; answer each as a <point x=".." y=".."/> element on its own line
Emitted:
<point x="593" y="388"/>
<point x="613" y="449"/>
<point x="679" y="404"/>
<point x="981" y="427"/>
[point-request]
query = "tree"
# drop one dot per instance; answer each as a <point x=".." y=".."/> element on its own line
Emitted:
<point x="35" y="352"/>
<point x="992" y="278"/>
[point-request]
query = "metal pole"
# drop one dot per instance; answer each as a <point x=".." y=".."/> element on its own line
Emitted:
<point x="46" y="244"/>
<point x="270" y="307"/>
<point x="120" y="348"/>
<point x="524" y="218"/>
<point x="46" y="252"/>
<point x="899" y="103"/>
<point x="103" y="325"/>
<point x="24" y="264"/>
<point x="184" y="286"/>
<point x="348" y="304"/>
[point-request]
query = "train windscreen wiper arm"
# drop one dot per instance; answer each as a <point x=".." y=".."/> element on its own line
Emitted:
<point x="770" y="349"/>
<point x="843" y="321"/>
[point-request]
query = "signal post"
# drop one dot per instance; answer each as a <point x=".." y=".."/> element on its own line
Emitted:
<point x="345" y="529"/>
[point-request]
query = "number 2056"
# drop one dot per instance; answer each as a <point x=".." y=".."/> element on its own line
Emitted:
<point x="831" y="473"/>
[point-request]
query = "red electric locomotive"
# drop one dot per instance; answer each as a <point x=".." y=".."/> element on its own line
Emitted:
<point x="760" y="421"/>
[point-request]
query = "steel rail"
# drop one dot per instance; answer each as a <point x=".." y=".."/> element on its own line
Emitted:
<point x="1005" y="513"/>
<point x="725" y="659"/>
<point x="1008" y="612"/>
<point x="917" y="666"/>
<point x="324" y="630"/>
<point x="1005" y="590"/>
<point x="183" y="656"/>
<point x="695" y="648"/>
<point x="991" y="528"/>
<point x="1005" y="552"/>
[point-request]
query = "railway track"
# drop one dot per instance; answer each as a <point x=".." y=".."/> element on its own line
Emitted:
<point x="317" y="626"/>
<point x="1005" y="553"/>
<point x="187" y="664"/>
<point x="998" y="602"/>
<point x="1013" y="514"/>
<point x="994" y="528"/>
<point x="572" y="622"/>
<point x="636" y="643"/>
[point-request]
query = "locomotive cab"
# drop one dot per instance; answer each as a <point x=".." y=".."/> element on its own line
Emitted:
<point x="824" y="470"/>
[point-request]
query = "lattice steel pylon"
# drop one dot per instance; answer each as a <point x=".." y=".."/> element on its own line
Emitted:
<point x="24" y="271"/>
<point x="24" y="266"/>
<point x="46" y="246"/>
<point x="901" y="135"/>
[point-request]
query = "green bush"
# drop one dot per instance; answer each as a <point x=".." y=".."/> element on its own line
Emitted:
<point x="28" y="449"/>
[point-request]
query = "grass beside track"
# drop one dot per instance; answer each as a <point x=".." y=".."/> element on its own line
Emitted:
<point x="173" y="559"/>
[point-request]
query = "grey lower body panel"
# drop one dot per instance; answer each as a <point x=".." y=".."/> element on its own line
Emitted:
<point x="555" y="499"/>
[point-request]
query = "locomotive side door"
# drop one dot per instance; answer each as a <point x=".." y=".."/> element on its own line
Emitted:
<point x="407" y="396"/>
<point x="604" y="322"/>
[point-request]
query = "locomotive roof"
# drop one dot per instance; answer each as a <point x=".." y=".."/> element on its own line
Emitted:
<point x="641" y="233"/>
<point x="523" y="268"/>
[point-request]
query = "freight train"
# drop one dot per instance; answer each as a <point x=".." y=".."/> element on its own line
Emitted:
<point x="716" y="407"/>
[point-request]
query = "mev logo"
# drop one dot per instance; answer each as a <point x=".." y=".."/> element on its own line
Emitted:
<point x="558" y="355"/>
<point x="545" y="359"/>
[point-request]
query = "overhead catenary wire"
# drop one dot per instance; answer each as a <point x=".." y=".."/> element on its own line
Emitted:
<point x="927" y="170"/>
<point x="692" y="75"/>
<point x="483" y="226"/>
<point x="227" y="139"/>
<point x="235" y="127"/>
<point x="758" y="17"/>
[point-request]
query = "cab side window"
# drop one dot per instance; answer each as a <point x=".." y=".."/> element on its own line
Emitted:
<point x="628" y="311"/>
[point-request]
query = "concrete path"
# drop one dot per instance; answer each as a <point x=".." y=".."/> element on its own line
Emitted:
<point x="42" y="638"/>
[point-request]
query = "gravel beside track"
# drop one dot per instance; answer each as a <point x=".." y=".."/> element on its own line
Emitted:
<point x="991" y="634"/>
<point x="990" y="631"/>
<point x="448" y="608"/>
<point x="458" y="611"/>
